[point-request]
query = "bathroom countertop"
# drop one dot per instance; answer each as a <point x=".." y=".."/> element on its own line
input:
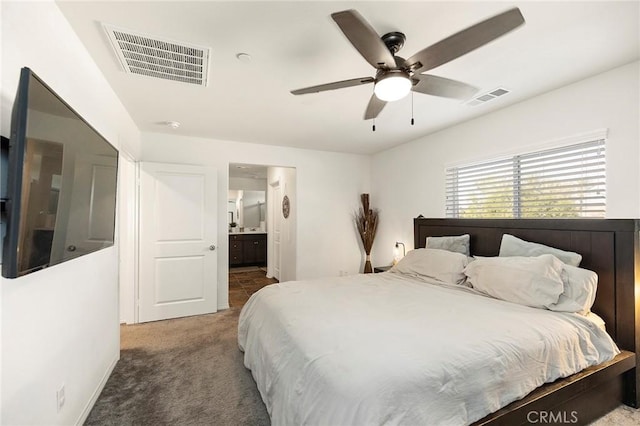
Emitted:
<point x="248" y="232"/>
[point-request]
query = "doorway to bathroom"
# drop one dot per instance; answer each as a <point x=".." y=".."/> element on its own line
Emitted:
<point x="247" y="216"/>
<point x="262" y="237"/>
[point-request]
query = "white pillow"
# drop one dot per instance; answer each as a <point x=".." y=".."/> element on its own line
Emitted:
<point x="458" y="244"/>
<point x="529" y="281"/>
<point x="441" y="265"/>
<point x="579" y="290"/>
<point x="514" y="246"/>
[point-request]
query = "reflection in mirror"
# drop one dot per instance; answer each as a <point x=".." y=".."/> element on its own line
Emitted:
<point x="247" y="196"/>
<point x="42" y="177"/>
<point x="247" y="209"/>
<point x="232" y="209"/>
<point x="253" y="205"/>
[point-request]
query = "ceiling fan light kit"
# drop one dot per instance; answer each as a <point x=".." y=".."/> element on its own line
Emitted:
<point x="395" y="76"/>
<point x="392" y="85"/>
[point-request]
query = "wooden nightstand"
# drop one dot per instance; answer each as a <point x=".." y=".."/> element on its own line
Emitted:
<point x="377" y="269"/>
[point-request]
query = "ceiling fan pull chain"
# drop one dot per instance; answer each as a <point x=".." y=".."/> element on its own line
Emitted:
<point x="373" y="129"/>
<point x="412" y="120"/>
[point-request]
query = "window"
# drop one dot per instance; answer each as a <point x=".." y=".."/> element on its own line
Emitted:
<point x="565" y="182"/>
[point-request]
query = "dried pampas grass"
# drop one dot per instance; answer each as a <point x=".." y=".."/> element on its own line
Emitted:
<point x="367" y="224"/>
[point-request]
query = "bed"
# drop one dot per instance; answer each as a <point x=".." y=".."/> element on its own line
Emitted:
<point x="362" y="350"/>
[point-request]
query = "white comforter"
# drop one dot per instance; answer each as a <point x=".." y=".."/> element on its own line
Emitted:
<point x="386" y="349"/>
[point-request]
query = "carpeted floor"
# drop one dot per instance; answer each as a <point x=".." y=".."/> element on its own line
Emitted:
<point x="186" y="371"/>
<point x="189" y="371"/>
<point x="621" y="416"/>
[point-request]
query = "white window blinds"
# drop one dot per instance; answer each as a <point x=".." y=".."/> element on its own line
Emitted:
<point x="566" y="182"/>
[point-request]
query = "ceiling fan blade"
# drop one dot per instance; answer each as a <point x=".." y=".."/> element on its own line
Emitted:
<point x="374" y="107"/>
<point x="364" y="38"/>
<point x="444" y="87"/>
<point x="334" y="85"/>
<point x="465" y="41"/>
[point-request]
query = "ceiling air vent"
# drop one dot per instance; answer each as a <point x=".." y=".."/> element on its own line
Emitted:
<point x="160" y="58"/>
<point x="489" y="96"/>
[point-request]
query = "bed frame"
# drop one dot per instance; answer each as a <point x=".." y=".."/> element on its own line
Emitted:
<point x="611" y="248"/>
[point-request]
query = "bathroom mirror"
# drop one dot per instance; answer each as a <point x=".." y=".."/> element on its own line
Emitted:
<point x="253" y="208"/>
<point x="247" y="196"/>
<point x="247" y="208"/>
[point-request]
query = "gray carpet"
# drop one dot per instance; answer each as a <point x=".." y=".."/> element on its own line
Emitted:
<point x="189" y="371"/>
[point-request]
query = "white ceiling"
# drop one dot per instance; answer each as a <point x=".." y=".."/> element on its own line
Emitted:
<point x="297" y="44"/>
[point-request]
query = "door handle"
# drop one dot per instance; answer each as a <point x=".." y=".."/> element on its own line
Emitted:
<point x="212" y="247"/>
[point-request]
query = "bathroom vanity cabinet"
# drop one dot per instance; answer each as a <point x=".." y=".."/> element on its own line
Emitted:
<point x="247" y="249"/>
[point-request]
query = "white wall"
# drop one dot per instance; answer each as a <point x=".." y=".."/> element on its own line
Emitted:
<point x="59" y="325"/>
<point x="409" y="180"/>
<point x="328" y="189"/>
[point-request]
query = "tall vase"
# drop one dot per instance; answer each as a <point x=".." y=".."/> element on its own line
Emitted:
<point x="367" y="265"/>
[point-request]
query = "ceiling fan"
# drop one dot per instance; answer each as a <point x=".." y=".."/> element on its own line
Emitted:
<point x="395" y="76"/>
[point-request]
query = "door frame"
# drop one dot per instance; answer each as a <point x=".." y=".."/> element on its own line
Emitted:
<point x="127" y="225"/>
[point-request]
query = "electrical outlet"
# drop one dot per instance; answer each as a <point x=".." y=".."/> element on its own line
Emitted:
<point x="60" y="397"/>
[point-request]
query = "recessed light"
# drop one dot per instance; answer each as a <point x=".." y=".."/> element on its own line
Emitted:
<point x="244" y="57"/>
<point x="172" y="124"/>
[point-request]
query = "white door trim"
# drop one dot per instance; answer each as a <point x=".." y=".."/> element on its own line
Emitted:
<point x="127" y="220"/>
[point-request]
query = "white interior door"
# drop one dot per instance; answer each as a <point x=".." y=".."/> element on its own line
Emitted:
<point x="178" y="232"/>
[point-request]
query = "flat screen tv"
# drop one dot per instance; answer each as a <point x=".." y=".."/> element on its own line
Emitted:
<point x="61" y="183"/>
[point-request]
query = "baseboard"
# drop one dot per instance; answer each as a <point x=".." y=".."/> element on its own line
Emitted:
<point x="96" y="393"/>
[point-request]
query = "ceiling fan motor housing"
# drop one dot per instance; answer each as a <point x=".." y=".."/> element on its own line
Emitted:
<point x="394" y="41"/>
<point x="382" y="74"/>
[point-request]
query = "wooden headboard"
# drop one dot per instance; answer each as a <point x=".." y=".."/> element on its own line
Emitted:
<point x="609" y="247"/>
